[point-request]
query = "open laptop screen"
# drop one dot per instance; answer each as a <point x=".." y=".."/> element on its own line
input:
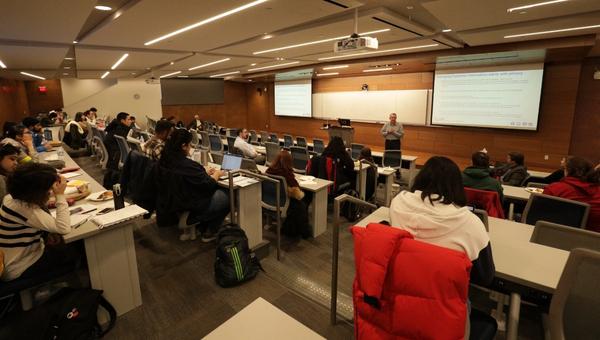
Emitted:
<point x="231" y="162"/>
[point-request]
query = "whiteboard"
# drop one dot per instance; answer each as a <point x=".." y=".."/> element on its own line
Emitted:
<point x="411" y="106"/>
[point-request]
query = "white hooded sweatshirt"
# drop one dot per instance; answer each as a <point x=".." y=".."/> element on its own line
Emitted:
<point x="445" y="225"/>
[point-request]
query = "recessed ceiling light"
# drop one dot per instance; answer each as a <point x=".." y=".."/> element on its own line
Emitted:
<point x="250" y="80"/>
<point x="172" y="63"/>
<point x="273" y="66"/>
<point x="69" y="58"/>
<point x="535" y="5"/>
<point x="32" y="75"/>
<point x="268" y="36"/>
<point x="380" y="51"/>
<point x="170" y="74"/>
<point x="2" y="64"/>
<point x="335" y="67"/>
<point x="205" y="21"/>
<point x="182" y="77"/>
<point x="119" y="61"/>
<point x="550" y="32"/>
<point x="447" y="30"/>
<point x="224" y="74"/>
<point x="317" y="42"/>
<point x="103" y="8"/>
<point x="409" y="7"/>
<point x="378" y="69"/>
<point x="327" y="74"/>
<point x="211" y="63"/>
<point x="253" y="64"/>
<point x="67" y="68"/>
<point x="105" y="74"/>
<point x="75" y="41"/>
<point x="523" y="12"/>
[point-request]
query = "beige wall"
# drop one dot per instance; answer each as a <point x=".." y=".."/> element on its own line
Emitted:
<point x="111" y="97"/>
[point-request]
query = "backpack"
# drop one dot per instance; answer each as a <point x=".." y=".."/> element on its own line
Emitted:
<point x="234" y="263"/>
<point x="71" y="313"/>
<point x="349" y="210"/>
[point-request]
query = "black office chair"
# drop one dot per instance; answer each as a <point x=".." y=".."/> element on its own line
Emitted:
<point x="564" y="237"/>
<point x="250" y="165"/>
<point x="264" y="137"/>
<point x="195" y="138"/>
<point x="392" y="159"/>
<point x="216" y="145"/>
<point x="556" y="210"/>
<point x="483" y="216"/>
<point x="205" y="140"/>
<point x="288" y="141"/>
<point x="318" y="146"/>
<point x="355" y="150"/>
<point x="217" y="157"/>
<point x="272" y="152"/>
<point x="299" y="159"/>
<point x="482" y="326"/>
<point x="269" y="203"/>
<point x="301" y="142"/>
<point x="273" y="138"/>
<point x="230" y="143"/>
<point x="123" y="149"/>
<point x="253" y="137"/>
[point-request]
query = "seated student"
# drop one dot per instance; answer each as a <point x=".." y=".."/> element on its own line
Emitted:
<point x="195" y="124"/>
<point x="515" y="171"/>
<point x="25" y="218"/>
<point x="133" y="124"/>
<point x="581" y="183"/>
<point x="119" y="126"/>
<point x="335" y="151"/>
<point x="35" y="128"/>
<point x="434" y="211"/>
<point x="246" y="148"/>
<point x="75" y="132"/>
<point x="155" y="145"/>
<point x="185" y="185"/>
<point x="8" y="163"/>
<point x="16" y="136"/>
<point x="296" y="223"/>
<point x="478" y="176"/>
<point x="365" y="155"/>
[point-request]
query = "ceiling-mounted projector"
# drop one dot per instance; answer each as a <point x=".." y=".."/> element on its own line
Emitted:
<point x="355" y="43"/>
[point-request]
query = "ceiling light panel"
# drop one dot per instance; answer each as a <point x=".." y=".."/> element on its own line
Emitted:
<point x="327" y="74"/>
<point x="2" y="65"/>
<point x="224" y="74"/>
<point x="335" y="67"/>
<point x="314" y="40"/>
<point x="170" y="74"/>
<point x="260" y="68"/>
<point x="24" y="57"/>
<point x="97" y="59"/>
<point x="534" y="5"/>
<point x="201" y="59"/>
<point x="132" y="28"/>
<point x="463" y="15"/>
<point x="379" y="69"/>
<point x="32" y="75"/>
<point x="118" y="62"/>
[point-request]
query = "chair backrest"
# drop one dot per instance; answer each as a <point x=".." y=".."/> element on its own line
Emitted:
<point x="555" y="209"/>
<point x="575" y="305"/>
<point x="272" y="152"/>
<point x="318" y="146"/>
<point x="230" y="143"/>
<point x="288" y="141"/>
<point x="249" y="164"/>
<point x="273" y="138"/>
<point x="301" y="141"/>
<point x="195" y="138"/>
<point x="486" y="200"/>
<point x="216" y="145"/>
<point x="123" y="148"/>
<point x="134" y="146"/>
<point x="232" y="132"/>
<point x="48" y="134"/>
<point x="564" y="237"/>
<point x="101" y="151"/>
<point x="483" y="216"/>
<point x="150" y="124"/>
<point x="217" y="157"/>
<point x="392" y="159"/>
<point x="264" y="137"/>
<point x="269" y="194"/>
<point x="299" y="159"/>
<point x="205" y="140"/>
<point x="253" y="137"/>
<point x="355" y="150"/>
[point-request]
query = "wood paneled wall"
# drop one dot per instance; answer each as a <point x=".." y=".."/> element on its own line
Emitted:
<point x="232" y="113"/>
<point x="561" y="81"/>
<point x="13" y="101"/>
<point x="585" y="137"/>
<point x="44" y="102"/>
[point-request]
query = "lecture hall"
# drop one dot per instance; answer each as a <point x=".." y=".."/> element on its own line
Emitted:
<point x="300" y="169"/>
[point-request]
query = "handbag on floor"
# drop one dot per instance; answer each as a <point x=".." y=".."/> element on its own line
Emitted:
<point x="71" y="313"/>
<point x="235" y="263"/>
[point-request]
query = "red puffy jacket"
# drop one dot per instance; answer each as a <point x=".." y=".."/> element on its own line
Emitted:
<point x="575" y="189"/>
<point x="407" y="289"/>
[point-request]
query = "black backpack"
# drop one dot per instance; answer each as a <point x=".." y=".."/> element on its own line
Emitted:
<point x="235" y="263"/>
<point x="71" y="313"/>
<point x="350" y="210"/>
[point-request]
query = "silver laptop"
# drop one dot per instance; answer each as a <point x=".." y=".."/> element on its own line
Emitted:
<point x="230" y="162"/>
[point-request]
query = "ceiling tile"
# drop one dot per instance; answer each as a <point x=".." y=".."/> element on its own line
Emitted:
<point x="98" y="59"/>
<point x="18" y="57"/>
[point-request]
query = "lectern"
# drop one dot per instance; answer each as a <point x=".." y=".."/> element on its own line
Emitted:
<point x="345" y="132"/>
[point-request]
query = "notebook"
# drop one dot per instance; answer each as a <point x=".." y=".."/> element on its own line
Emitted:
<point x="115" y="217"/>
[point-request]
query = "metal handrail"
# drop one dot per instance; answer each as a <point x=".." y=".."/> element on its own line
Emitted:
<point x="277" y="200"/>
<point x="337" y="202"/>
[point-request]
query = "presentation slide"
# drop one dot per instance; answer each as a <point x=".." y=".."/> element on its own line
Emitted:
<point x="506" y="97"/>
<point x="293" y="98"/>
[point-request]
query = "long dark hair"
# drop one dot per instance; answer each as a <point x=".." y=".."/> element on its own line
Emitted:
<point x="335" y="148"/>
<point x="5" y="151"/>
<point x="441" y="176"/>
<point x="172" y="150"/>
<point x="582" y="169"/>
<point x="31" y="183"/>
<point x="283" y="161"/>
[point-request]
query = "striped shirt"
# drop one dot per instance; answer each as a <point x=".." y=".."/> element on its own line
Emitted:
<point x="21" y="229"/>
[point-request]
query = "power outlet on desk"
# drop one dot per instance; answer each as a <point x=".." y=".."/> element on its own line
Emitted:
<point x="546" y="157"/>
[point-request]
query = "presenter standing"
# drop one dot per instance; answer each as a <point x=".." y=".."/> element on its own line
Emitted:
<point x="392" y="131"/>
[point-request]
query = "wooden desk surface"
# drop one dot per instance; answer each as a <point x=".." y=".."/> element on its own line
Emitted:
<point x="261" y="320"/>
<point x="316" y="185"/>
<point x="516" y="259"/>
<point x="518" y="193"/>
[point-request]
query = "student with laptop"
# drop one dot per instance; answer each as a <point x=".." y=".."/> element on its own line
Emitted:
<point x="246" y="148"/>
<point x="185" y="185"/>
